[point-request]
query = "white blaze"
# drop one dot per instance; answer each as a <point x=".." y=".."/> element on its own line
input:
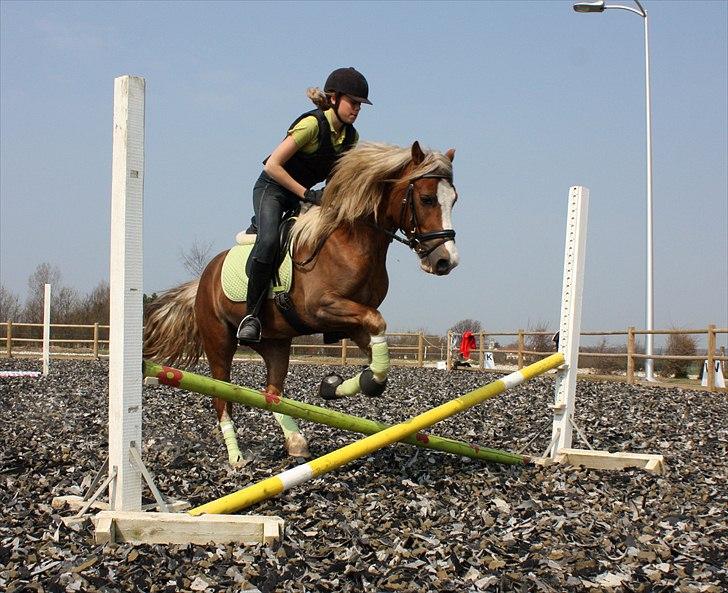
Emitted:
<point x="446" y="198"/>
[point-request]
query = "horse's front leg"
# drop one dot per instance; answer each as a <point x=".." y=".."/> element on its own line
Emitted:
<point x="276" y="354"/>
<point x="372" y="380"/>
<point x="367" y="330"/>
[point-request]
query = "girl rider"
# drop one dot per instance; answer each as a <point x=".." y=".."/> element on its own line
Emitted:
<point x="305" y="157"/>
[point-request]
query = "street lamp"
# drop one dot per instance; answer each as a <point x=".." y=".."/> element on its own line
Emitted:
<point x="590" y="6"/>
<point x="601" y="6"/>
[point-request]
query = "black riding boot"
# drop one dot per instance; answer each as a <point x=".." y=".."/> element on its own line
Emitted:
<point x="250" y="328"/>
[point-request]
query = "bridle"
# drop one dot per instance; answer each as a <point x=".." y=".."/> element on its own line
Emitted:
<point x="414" y="239"/>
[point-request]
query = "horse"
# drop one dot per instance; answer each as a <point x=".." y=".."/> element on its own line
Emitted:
<point x="377" y="193"/>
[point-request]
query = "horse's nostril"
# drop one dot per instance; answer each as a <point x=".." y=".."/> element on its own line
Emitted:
<point x="442" y="266"/>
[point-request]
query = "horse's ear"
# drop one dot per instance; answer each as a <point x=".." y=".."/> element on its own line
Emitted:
<point x="417" y="155"/>
<point x="450" y="154"/>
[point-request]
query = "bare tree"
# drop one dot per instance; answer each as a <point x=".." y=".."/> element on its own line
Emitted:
<point x="9" y="305"/>
<point x="466" y="324"/>
<point x="95" y="306"/>
<point x="65" y="304"/>
<point x="679" y="345"/>
<point x="542" y="342"/>
<point x="64" y="300"/>
<point x="44" y="274"/>
<point x="196" y="258"/>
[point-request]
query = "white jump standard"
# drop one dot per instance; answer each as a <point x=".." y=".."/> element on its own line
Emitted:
<point x="559" y="448"/>
<point x="125" y="521"/>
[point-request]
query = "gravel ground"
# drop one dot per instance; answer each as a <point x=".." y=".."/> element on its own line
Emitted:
<point x="401" y="519"/>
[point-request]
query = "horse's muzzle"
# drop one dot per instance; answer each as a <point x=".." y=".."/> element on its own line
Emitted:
<point x="441" y="260"/>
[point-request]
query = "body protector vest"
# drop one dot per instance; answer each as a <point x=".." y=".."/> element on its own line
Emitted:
<point x="310" y="169"/>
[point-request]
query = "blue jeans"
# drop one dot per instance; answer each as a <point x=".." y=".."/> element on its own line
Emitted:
<point x="271" y="202"/>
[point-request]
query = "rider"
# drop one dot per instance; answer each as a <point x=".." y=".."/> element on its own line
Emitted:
<point x="306" y="156"/>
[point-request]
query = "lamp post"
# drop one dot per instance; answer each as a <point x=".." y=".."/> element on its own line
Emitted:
<point x="601" y="6"/>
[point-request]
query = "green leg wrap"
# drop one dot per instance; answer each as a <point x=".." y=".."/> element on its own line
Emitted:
<point x="231" y="442"/>
<point x="349" y="387"/>
<point x="380" y="361"/>
<point x="288" y="424"/>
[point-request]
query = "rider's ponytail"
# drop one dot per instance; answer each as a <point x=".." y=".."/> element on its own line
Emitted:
<point x="319" y="98"/>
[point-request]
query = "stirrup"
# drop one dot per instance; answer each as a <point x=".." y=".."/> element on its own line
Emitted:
<point x="249" y="330"/>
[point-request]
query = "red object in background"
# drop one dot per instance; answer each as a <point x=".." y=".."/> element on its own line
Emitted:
<point x="467" y="344"/>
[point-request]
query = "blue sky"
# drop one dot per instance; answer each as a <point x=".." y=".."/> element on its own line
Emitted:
<point x="534" y="97"/>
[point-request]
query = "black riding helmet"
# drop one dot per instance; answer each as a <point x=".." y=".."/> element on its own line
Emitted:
<point x="348" y="81"/>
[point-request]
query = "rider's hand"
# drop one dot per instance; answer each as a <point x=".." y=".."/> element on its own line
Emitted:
<point x="313" y="196"/>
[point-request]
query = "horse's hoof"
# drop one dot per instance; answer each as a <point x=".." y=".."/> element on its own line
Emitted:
<point x="297" y="446"/>
<point x="238" y="462"/>
<point x="329" y="383"/>
<point x="369" y="386"/>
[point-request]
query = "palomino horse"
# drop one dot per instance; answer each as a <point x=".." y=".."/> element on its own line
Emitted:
<point x="339" y="279"/>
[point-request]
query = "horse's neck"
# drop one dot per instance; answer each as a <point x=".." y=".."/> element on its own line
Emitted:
<point x="370" y="237"/>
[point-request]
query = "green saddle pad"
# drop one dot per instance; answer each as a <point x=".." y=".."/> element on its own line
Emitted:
<point x="235" y="280"/>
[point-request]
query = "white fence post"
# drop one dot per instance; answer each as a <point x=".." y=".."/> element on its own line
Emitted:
<point x="46" y="329"/>
<point x="570" y="325"/>
<point x="125" y="282"/>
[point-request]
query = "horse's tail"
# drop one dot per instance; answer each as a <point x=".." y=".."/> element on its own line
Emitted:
<point x="171" y="335"/>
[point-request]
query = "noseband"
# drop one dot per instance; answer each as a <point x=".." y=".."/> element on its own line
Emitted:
<point x="414" y="239"/>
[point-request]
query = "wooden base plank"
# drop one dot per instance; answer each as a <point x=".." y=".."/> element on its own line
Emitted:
<point x="177" y="528"/>
<point x="74" y="502"/>
<point x="605" y="460"/>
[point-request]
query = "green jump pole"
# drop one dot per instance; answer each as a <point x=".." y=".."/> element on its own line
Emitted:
<point x="274" y="485"/>
<point x="273" y="403"/>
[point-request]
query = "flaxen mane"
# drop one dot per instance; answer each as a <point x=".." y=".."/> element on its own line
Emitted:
<point x="358" y="184"/>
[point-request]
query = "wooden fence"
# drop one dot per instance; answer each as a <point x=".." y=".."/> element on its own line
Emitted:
<point x="24" y="339"/>
<point x="409" y="348"/>
<point x="631" y="354"/>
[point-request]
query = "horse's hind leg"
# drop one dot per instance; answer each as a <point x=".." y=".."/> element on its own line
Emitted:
<point x="276" y="354"/>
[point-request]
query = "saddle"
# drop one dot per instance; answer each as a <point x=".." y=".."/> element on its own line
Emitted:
<point x="247" y="237"/>
<point x="281" y="286"/>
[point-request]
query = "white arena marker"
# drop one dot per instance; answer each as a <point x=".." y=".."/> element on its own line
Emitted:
<point x="718" y="378"/>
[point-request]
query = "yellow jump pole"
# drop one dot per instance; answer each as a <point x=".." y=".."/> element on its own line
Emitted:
<point x="276" y="484"/>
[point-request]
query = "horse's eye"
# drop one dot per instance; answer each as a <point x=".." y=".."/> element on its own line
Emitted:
<point x="428" y="200"/>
